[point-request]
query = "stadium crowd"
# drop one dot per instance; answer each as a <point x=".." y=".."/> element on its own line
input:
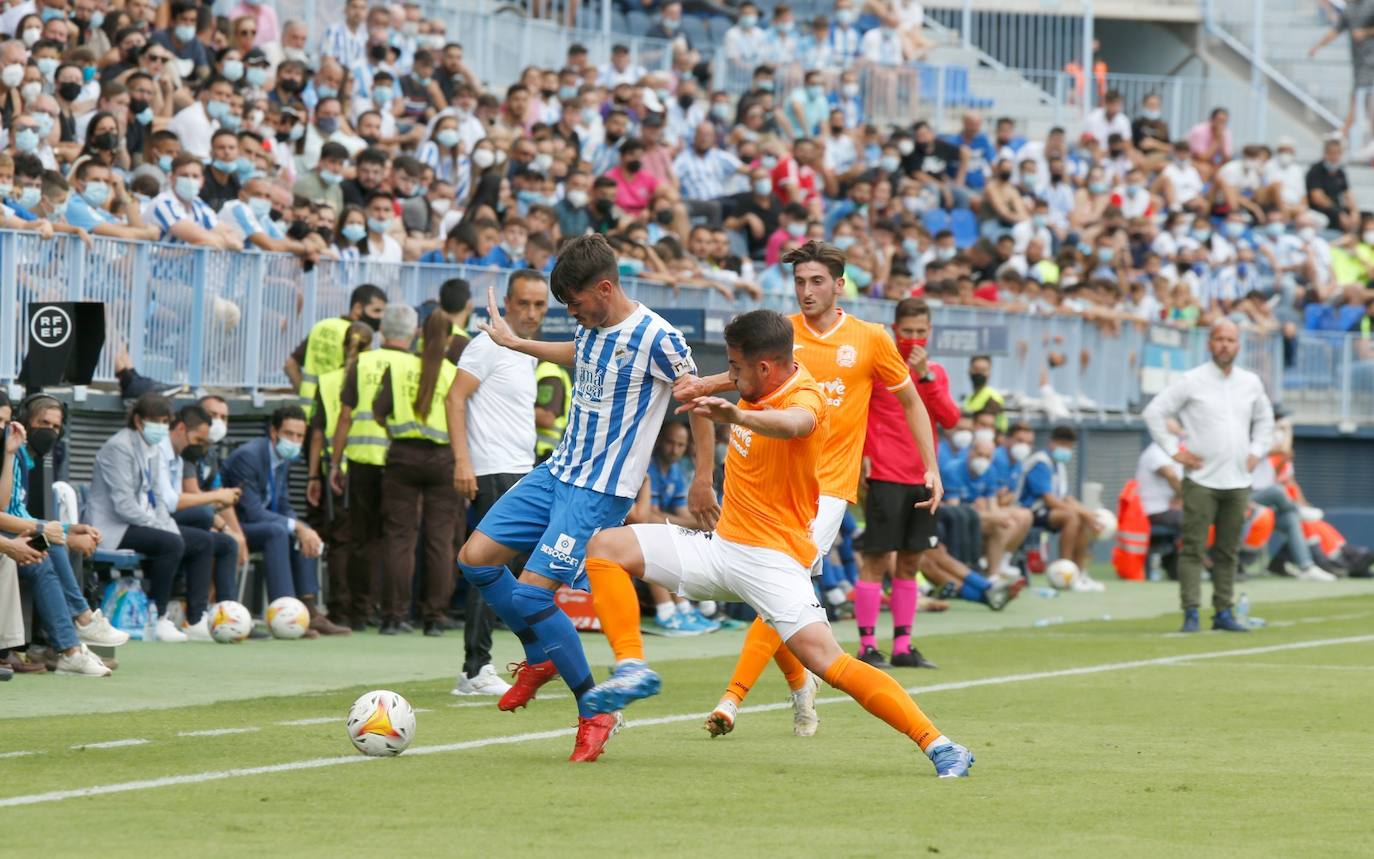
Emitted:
<point x="168" y="123"/>
<point x="165" y="122"/>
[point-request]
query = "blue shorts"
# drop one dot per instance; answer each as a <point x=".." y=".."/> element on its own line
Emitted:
<point x="553" y="521"/>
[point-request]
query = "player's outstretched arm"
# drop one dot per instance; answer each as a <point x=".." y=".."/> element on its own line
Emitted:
<point x="782" y="423"/>
<point x="690" y="387"/>
<point x="502" y="335"/>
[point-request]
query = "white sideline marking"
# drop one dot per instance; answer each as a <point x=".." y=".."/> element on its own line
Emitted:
<point x="112" y="744"/>
<point x="16" y="754"/>
<point x="217" y="732"/>
<point x="1298" y="665"/>
<point x="317" y="763"/>
<point x="320" y="720"/>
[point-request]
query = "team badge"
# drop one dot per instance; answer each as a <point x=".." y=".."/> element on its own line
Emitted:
<point x="846" y="355"/>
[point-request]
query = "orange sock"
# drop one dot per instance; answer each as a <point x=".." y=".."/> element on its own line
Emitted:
<point x="882" y="696"/>
<point x="791" y="667"/>
<point x="760" y="643"/>
<point x="617" y="606"/>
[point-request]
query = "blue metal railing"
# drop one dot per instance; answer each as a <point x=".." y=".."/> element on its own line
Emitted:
<point x="225" y="320"/>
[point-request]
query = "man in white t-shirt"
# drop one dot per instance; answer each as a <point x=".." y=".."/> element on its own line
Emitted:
<point x="492" y="432"/>
<point x="1289" y="176"/>
<point x="1107" y="120"/>
<point x="1179" y="183"/>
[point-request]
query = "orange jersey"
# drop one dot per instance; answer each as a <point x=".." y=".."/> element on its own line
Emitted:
<point x="772" y="487"/>
<point x="846" y="361"/>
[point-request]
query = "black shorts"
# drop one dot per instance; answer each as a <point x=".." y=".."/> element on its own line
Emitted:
<point x="1040" y="518"/>
<point x="894" y="523"/>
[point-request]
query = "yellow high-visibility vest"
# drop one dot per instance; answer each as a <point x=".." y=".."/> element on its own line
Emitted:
<point x="324" y="351"/>
<point x="547" y="438"/>
<point x="367" y="439"/>
<point x="403" y="422"/>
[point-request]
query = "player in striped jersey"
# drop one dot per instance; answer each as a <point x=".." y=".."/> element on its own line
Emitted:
<point x="626" y="359"/>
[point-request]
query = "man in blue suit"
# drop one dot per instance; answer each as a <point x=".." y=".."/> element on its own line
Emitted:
<point x="290" y="548"/>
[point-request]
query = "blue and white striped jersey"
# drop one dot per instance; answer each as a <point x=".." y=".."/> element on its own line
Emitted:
<point x="623" y="384"/>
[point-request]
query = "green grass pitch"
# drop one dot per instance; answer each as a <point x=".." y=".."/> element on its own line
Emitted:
<point x="1094" y="737"/>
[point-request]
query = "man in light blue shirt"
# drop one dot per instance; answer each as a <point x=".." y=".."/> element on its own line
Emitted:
<point x="93" y="186"/>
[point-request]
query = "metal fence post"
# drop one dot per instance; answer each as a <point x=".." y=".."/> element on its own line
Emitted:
<point x="1089" y="78"/>
<point x="941" y="79"/>
<point x="1256" y="45"/>
<point x="257" y="291"/>
<point x="606" y="19"/>
<point x="966" y="24"/>
<point x="199" y="285"/>
<point x="76" y="288"/>
<point x="138" y="305"/>
<point x="10" y="336"/>
<point x="1347" y="365"/>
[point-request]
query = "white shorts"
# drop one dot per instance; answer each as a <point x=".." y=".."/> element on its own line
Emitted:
<point x="700" y="565"/>
<point x="829" y="517"/>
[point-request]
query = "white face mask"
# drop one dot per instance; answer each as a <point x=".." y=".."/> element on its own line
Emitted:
<point x="977" y="465"/>
<point x="218" y="430"/>
<point x="1020" y="451"/>
<point x="984" y="434"/>
<point x="962" y="439"/>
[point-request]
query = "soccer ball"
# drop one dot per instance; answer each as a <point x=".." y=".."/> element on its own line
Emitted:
<point x="381" y="724"/>
<point x="1106" y="524"/>
<point x="287" y="617"/>
<point x="230" y="622"/>
<point x="1062" y="574"/>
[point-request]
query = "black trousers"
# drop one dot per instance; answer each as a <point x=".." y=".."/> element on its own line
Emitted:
<point x="364" y="538"/>
<point x="480" y="620"/>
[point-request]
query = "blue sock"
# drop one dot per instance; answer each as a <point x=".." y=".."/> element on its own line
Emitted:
<point x="974" y="587"/>
<point x="848" y="560"/>
<point x="498" y="587"/>
<point x="559" y="638"/>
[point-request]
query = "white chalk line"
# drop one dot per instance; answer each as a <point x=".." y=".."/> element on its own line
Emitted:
<point x="113" y="744"/>
<point x="218" y="732"/>
<point x="317" y="763"/>
<point x="1301" y="666"/>
<point x="318" y="720"/>
<point x="20" y="754"/>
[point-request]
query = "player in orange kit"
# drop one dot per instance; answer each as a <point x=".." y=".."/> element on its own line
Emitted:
<point x="762" y="549"/>
<point x="847" y="357"/>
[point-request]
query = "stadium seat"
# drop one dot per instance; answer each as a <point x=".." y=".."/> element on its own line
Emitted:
<point x="698" y="33"/>
<point x="639" y="22"/>
<point x="964" y="226"/>
<point x="719" y="24"/>
<point x="935" y="220"/>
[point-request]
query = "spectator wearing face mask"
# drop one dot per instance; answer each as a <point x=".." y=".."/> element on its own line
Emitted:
<point x="979" y="373"/>
<point x="290" y="548"/>
<point x="179" y="213"/>
<point x="180" y="39"/>
<point x="251" y="212"/>
<point x="322" y="182"/>
<point x="323" y="349"/>
<point x="96" y="192"/>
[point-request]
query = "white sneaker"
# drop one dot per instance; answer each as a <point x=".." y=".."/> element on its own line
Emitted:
<point x="1085" y="583"/>
<point x="804" y="718"/>
<point x="487" y="682"/>
<point x="83" y="662"/>
<point x="200" y="630"/>
<point x="99" y="632"/>
<point x="722" y="719"/>
<point x="1313" y="573"/>
<point x="167" y="631"/>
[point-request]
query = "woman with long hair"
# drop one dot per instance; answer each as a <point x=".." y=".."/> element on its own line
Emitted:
<point x="418" y="476"/>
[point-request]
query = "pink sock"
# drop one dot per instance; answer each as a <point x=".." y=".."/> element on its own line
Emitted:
<point x="868" y="599"/>
<point x="903" y="613"/>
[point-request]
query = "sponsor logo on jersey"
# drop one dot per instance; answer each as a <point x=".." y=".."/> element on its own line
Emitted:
<point x="740" y="439"/>
<point x="834" y="391"/>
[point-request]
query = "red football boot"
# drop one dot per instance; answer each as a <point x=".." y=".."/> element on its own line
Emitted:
<point x="528" y="679"/>
<point x="593" y="734"/>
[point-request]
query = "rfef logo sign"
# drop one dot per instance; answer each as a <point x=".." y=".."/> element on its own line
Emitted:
<point x="50" y="326"/>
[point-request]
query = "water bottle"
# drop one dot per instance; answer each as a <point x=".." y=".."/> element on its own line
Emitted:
<point x="1048" y="621"/>
<point x="1047" y="593"/>
<point x="150" y="623"/>
<point x="1243" y="609"/>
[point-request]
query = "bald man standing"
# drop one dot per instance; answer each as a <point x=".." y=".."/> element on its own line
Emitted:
<point x="1229" y="425"/>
